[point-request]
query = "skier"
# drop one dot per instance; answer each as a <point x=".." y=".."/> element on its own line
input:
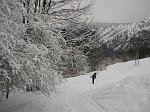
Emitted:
<point x="93" y="77"/>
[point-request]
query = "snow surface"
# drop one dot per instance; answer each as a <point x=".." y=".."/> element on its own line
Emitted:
<point x="122" y="87"/>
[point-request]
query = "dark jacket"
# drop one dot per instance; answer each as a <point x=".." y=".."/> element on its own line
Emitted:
<point x="93" y="76"/>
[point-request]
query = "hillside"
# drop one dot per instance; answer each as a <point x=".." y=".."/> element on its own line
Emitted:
<point x="121" y="87"/>
<point x="98" y="25"/>
<point x="119" y="36"/>
<point x="113" y="42"/>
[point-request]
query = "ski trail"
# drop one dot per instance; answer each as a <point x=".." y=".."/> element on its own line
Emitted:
<point x="93" y="107"/>
<point x="79" y="99"/>
<point x="78" y="94"/>
<point x="79" y="102"/>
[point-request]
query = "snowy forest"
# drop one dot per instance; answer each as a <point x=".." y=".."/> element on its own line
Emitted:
<point x="43" y="42"/>
<point x="33" y="48"/>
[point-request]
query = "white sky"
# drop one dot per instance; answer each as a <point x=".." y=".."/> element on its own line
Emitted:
<point x="121" y="10"/>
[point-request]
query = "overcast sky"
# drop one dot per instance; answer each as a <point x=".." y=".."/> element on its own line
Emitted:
<point x="121" y="11"/>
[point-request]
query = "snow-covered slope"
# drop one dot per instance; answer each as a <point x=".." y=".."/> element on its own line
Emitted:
<point x="119" y="36"/>
<point x="122" y="87"/>
<point x="130" y="95"/>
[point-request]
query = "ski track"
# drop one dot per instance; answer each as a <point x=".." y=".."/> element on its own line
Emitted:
<point x="75" y="95"/>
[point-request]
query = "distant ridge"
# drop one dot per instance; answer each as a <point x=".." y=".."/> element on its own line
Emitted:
<point x="103" y="24"/>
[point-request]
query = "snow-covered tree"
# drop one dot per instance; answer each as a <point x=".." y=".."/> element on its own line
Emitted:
<point x="31" y="45"/>
<point x="74" y="62"/>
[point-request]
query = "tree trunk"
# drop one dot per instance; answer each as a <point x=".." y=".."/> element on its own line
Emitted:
<point x="7" y="89"/>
